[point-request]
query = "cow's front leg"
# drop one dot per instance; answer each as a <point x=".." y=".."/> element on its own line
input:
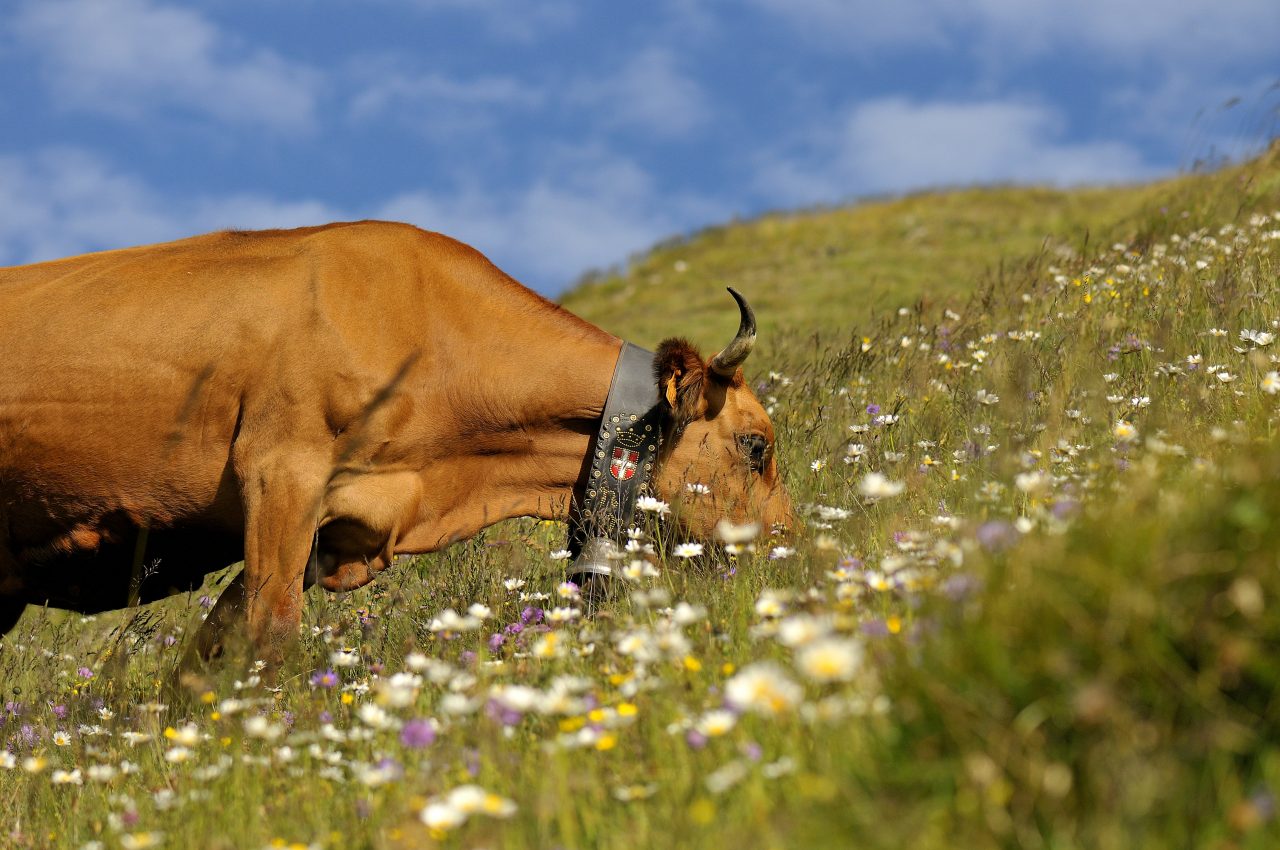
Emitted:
<point x="282" y="506"/>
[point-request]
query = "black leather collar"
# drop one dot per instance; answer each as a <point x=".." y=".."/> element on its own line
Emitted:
<point x="623" y="456"/>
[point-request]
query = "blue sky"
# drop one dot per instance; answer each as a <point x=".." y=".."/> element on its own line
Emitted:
<point x="562" y="136"/>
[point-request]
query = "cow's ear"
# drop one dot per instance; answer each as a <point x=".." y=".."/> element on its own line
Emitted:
<point x="681" y="376"/>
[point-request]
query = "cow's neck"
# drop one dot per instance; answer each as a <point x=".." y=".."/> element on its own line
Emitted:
<point x="534" y="427"/>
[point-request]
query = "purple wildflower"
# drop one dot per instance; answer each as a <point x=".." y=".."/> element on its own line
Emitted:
<point x="499" y="712"/>
<point x="1065" y="508"/>
<point x="325" y="679"/>
<point x="875" y="628"/>
<point x="417" y="734"/>
<point x="996" y="535"/>
<point x="960" y="586"/>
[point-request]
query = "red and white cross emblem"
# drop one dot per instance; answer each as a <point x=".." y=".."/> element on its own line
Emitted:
<point x="625" y="463"/>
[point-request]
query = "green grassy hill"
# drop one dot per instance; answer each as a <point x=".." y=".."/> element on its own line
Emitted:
<point x="833" y="270"/>
<point x="1035" y="604"/>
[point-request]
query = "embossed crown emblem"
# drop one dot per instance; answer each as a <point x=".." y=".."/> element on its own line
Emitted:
<point x="630" y="439"/>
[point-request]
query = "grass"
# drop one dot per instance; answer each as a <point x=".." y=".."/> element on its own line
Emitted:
<point x="1061" y="632"/>
<point x="820" y="270"/>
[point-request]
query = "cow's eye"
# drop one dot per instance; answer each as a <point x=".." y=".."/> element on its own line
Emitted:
<point x="755" y="450"/>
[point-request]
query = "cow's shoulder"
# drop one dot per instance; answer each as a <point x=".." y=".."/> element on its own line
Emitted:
<point x="391" y="239"/>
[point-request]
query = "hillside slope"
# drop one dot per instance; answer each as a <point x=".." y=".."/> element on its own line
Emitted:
<point x="830" y="270"/>
<point x="1033" y="603"/>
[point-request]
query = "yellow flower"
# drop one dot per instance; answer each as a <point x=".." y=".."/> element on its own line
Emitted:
<point x="692" y="664"/>
<point x="702" y="811"/>
<point x="607" y="741"/>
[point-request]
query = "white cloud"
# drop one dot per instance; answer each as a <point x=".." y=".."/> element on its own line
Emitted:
<point x="895" y="144"/>
<point x="600" y="210"/>
<point x="65" y="201"/>
<point x="649" y="93"/>
<point x="59" y="202"/>
<point x="551" y="231"/>
<point x="133" y="58"/>
<point x="1204" y="32"/>
<point x="1194" y="117"/>
<point x="393" y="91"/>
<point x="440" y="107"/>
<point x="1171" y="33"/>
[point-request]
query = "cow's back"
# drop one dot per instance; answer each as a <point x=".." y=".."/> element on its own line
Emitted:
<point x="125" y="374"/>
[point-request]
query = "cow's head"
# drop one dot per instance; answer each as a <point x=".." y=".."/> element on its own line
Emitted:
<point x="719" y="437"/>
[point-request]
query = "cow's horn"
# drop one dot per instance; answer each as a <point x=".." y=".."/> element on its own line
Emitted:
<point x="727" y="361"/>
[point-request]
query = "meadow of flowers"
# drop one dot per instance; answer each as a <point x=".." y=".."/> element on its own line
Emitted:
<point x="1033" y="605"/>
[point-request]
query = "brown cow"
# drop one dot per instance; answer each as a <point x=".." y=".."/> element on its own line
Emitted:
<point x="368" y="387"/>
